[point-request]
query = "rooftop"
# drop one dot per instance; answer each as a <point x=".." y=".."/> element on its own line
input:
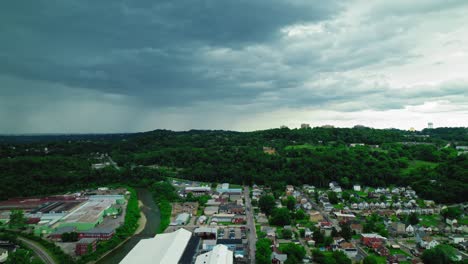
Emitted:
<point x="89" y="212"/>
<point x="219" y="255"/>
<point x="163" y="248"/>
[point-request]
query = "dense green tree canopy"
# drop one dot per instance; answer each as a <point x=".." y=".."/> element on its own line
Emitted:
<point x="266" y="203"/>
<point x="315" y="156"/>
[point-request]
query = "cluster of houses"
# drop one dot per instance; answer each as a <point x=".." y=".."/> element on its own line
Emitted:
<point x="225" y="206"/>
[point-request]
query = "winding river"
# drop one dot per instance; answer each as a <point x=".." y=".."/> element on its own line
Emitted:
<point x="152" y="214"/>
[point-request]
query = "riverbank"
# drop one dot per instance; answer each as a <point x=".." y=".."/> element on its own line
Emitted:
<point x="142" y="220"/>
<point x="148" y="225"/>
<point x="141" y="227"/>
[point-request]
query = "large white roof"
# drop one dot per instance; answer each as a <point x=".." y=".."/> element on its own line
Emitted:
<point x="219" y="255"/>
<point x="163" y="248"/>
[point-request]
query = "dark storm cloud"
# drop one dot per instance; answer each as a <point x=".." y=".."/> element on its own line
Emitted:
<point x="175" y="62"/>
<point x="148" y="48"/>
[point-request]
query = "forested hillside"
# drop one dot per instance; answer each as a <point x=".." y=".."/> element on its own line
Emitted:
<point x="426" y="160"/>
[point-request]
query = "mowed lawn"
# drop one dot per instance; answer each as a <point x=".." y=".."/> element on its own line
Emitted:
<point x="414" y="164"/>
<point x="430" y="220"/>
<point x="303" y="146"/>
<point x="395" y="251"/>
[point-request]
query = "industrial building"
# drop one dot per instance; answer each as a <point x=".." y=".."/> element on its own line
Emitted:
<point x="198" y="191"/>
<point x="181" y="219"/>
<point x="219" y="255"/>
<point x="88" y="215"/>
<point x="100" y="233"/>
<point x="169" y="248"/>
<point x="85" y="246"/>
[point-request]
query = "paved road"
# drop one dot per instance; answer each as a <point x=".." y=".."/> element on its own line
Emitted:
<point x="250" y="225"/>
<point x="114" y="163"/>
<point x="40" y="252"/>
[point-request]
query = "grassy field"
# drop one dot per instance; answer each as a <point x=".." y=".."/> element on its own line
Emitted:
<point x="361" y="193"/>
<point x="394" y="251"/>
<point x="339" y="206"/>
<point x="304" y="146"/>
<point x="463" y="221"/>
<point x="429" y="220"/>
<point x="414" y="164"/>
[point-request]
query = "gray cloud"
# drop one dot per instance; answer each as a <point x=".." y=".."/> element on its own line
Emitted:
<point x="124" y="59"/>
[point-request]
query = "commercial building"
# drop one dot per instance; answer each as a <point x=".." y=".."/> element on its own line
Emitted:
<point x="163" y="248"/>
<point x="211" y="210"/>
<point x="181" y="219"/>
<point x="206" y="232"/>
<point x="85" y="246"/>
<point x="100" y="233"/>
<point x="197" y="191"/>
<point x="219" y="255"/>
<point x="88" y="215"/>
<point x="57" y="234"/>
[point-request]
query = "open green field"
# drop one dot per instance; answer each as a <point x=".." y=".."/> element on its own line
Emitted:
<point x="463" y="221"/>
<point x="429" y="220"/>
<point x="414" y="164"/>
<point x="394" y="251"/>
<point x="361" y="193"/>
<point x="339" y="206"/>
<point x="304" y="146"/>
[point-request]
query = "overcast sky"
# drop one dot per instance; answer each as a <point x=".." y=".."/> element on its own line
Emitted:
<point x="122" y="66"/>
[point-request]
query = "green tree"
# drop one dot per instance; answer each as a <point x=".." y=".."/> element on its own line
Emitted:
<point x="346" y="196"/>
<point x="318" y="256"/>
<point x="413" y="219"/>
<point x="300" y="215"/>
<point x="295" y="252"/>
<point x="441" y="254"/>
<point x="286" y="233"/>
<point x="280" y="217"/>
<point x="341" y="258"/>
<point x="263" y="251"/>
<point x="291" y="203"/>
<point x="370" y="260"/>
<point x="17" y="219"/>
<point x="451" y="212"/>
<point x="327" y="241"/>
<point x="316" y="196"/>
<point x="19" y="256"/>
<point x="332" y="197"/>
<point x="266" y="203"/>
<point x="318" y="237"/>
<point x="346" y="231"/>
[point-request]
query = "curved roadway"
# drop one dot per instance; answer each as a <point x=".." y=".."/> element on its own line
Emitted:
<point x="40" y="252"/>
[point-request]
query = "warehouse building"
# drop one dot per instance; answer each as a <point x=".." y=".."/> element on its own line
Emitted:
<point x="88" y="215"/>
<point x="219" y="255"/>
<point x="168" y="248"/>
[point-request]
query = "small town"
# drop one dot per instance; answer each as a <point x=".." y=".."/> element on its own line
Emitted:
<point x="227" y="223"/>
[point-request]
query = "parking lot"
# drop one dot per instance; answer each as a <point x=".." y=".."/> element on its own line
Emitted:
<point x="231" y="233"/>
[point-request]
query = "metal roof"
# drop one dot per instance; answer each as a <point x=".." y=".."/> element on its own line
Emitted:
<point x="163" y="248"/>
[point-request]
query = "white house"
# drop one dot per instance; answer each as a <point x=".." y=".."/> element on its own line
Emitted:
<point x="337" y="189"/>
<point x="410" y="229"/>
<point x="3" y="255"/>
<point x="458" y="240"/>
<point x="357" y="188"/>
<point x="451" y="222"/>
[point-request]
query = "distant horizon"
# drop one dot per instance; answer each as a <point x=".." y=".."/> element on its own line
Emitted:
<point x="201" y="129"/>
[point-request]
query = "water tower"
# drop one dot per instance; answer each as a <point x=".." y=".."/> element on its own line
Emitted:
<point x="430" y="125"/>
